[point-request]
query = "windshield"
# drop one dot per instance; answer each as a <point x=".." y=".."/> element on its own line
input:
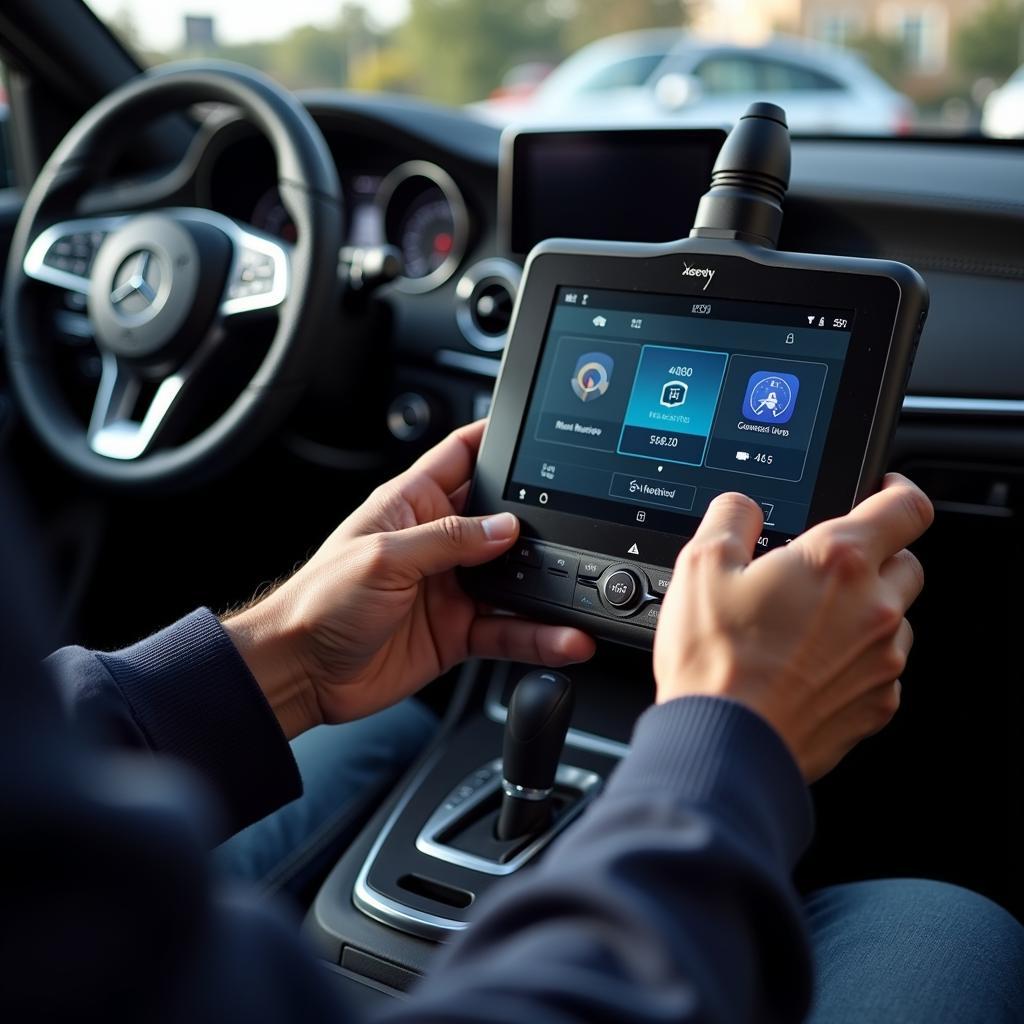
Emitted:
<point x="941" y="66"/>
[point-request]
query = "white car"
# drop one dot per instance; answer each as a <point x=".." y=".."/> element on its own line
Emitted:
<point x="1003" y="114"/>
<point x="640" y="77"/>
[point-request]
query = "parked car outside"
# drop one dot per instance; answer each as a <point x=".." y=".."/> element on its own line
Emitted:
<point x="1003" y="114"/>
<point x="660" y="75"/>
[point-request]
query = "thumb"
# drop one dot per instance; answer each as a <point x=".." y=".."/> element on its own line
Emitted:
<point x="454" y="540"/>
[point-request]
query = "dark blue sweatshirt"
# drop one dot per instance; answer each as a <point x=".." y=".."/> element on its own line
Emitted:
<point x="669" y="901"/>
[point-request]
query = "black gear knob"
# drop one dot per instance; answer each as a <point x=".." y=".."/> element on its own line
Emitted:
<point x="538" y="719"/>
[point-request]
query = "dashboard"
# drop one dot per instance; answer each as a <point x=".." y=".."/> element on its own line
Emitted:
<point x="427" y="181"/>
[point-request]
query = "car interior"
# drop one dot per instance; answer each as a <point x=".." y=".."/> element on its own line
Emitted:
<point x="346" y="269"/>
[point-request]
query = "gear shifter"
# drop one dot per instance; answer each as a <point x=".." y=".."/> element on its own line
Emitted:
<point x="538" y="719"/>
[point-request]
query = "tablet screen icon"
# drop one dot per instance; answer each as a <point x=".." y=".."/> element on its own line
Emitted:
<point x="770" y="397"/>
<point x="592" y="375"/>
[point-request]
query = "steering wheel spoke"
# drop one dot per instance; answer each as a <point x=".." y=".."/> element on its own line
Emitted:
<point x="116" y="430"/>
<point x="258" y="278"/>
<point x="63" y="254"/>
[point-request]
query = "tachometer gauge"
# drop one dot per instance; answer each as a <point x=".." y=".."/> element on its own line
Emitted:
<point x="425" y="216"/>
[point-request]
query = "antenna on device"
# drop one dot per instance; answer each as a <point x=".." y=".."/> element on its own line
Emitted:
<point x="749" y="180"/>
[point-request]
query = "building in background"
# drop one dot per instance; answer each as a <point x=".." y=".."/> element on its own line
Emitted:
<point x="922" y="29"/>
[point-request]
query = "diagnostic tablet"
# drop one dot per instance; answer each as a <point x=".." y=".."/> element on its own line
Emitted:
<point x="640" y="381"/>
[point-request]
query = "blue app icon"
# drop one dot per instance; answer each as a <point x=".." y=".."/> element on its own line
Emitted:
<point x="592" y="375"/>
<point x="770" y="397"/>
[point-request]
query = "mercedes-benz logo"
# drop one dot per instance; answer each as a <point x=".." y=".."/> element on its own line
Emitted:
<point x="136" y="285"/>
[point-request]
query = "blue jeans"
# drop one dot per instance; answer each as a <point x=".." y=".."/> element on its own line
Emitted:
<point x="907" y="951"/>
<point x="342" y="767"/>
<point x="898" y="951"/>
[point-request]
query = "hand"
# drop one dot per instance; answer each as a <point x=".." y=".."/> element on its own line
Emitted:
<point x="811" y="636"/>
<point x="377" y="612"/>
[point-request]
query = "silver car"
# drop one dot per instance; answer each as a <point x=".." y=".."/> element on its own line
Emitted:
<point x="639" y="77"/>
<point x="1003" y="114"/>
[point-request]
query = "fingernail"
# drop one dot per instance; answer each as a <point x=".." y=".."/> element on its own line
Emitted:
<point x="503" y="526"/>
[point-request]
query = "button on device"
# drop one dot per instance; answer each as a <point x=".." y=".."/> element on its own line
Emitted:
<point x="649" y="616"/>
<point x="591" y="568"/>
<point x="522" y="580"/>
<point x="554" y="587"/>
<point x="527" y="552"/>
<point x="620" y="588"/>
<point x="560" y="563"/>
<point x="585" y="599"/>
<point x="660" y="581"/>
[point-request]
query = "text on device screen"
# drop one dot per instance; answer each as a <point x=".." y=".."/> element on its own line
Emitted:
<point x="646" y="407"/>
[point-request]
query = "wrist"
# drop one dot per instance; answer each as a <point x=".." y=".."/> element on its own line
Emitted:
<point x="268" y="644"/>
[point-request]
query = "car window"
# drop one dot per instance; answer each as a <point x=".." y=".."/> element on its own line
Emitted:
<point x="719" y="75"/>
<point x="931" y="66"/>
<point x="736" y="74"/>
<point x="781" y="76"/>
<point x="624" y="74"/>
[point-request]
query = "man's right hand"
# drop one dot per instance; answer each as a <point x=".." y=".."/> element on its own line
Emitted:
<point x="811" y="636"/>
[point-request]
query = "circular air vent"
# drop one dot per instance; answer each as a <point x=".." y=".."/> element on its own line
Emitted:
<point x="485" y="297"/>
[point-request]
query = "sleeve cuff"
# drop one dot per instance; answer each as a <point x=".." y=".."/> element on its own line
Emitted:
<point x="193" y="697"/>
<point x="707" y="750"/>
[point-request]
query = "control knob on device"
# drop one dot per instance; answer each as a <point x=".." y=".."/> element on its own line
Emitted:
<point x="620" y="588"/>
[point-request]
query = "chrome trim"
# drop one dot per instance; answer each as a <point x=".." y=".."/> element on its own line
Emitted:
<point x="957" y="406"/>
<point x="111" y="432"/>
<point x="517" y="792"/>
<point x="588" y="783"/>
<point x="33" y="264"/>
<point x="390" y="912"/>
<point x="241" y="239"/>
<point x="480" y="365"/>
<point x="497" y="712"/>
<point x="495" y="269"/>
<point x="439" y="177"/>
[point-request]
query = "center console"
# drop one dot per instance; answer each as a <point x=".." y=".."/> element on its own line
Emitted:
<point x="517" y="758"/>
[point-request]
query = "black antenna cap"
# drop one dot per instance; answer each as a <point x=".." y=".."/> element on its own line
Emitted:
<point x="749" y="180"/>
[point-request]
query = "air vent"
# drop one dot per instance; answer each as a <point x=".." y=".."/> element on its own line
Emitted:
<point x="485" y="297"/>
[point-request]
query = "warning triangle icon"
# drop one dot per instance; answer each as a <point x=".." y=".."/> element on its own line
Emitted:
<point x="633" y="549"/>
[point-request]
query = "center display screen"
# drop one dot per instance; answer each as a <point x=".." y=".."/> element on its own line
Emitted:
<point x="645" y="407"/>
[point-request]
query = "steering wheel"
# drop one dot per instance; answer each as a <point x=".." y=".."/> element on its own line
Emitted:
<point x="165" y="287"/>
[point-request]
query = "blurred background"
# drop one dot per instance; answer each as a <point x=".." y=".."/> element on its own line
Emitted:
<point x="838" y="66"/>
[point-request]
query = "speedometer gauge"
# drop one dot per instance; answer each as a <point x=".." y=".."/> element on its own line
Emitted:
<point x="428" y="234"/>
<point x="424" y="216"/>
<point x="269" y="215"/>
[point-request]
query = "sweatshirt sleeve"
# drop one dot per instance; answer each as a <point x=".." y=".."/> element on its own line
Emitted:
<point x="186" y="693"/>
<point x="670" y="900"/>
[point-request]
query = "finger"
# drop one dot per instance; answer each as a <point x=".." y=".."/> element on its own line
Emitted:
<point x="884" y="661"/>
<point x="450" y="463"/>
<point x="458" y="498"/>
<point x="904" y="577"/>
<point x="891" y="519"/>
<point x="731" y="526"/>
<point x="445" y="543"/>
<point x="878" y="708"/>
<point x="509" y="639"/>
